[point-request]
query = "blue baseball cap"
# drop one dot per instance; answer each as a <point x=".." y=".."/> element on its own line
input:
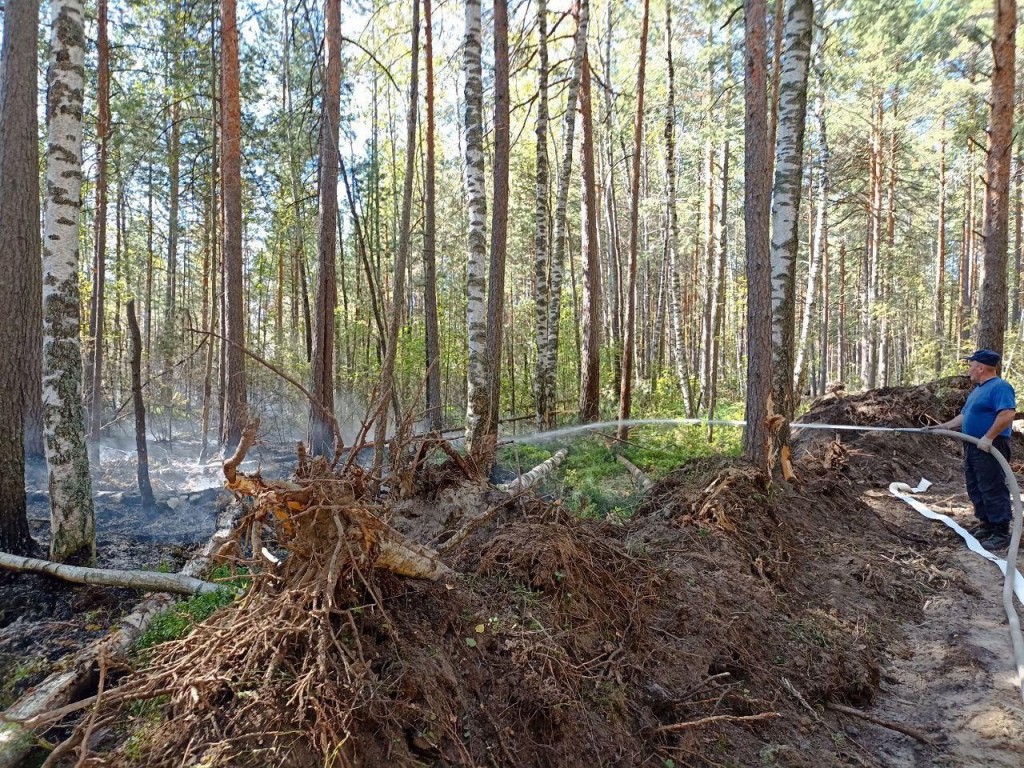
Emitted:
<point x="985" y="357"/>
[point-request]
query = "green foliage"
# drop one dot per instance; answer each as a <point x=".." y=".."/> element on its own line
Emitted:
<point x="591" y="480"/>
<point x="180" y="620"/>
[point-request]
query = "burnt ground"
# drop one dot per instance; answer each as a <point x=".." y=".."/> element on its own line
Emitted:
<point x="42" y="620"/>
<point x="713" y="629"/>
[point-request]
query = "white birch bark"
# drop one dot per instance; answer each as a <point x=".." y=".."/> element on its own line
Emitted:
<point x="476" y="196"/>
<point x="820" y="250"/>
<point x="548" y="358"/>
<point x="786" y="196"/>
<point x="541" y="235"/>
<point x="73" y="533"/>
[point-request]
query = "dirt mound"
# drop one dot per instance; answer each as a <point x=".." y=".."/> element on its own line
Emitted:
<point x="919" y="406"/>
<point x="708" y="630"/>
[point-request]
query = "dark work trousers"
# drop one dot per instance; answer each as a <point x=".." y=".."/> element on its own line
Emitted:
<point x="986" y="483"/>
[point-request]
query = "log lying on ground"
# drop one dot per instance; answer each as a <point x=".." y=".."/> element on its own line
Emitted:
<point x="150" y="581"/>
<point x="523" y="482"/>
<point x="643" y="481"/>
<point x="17" y="740"/>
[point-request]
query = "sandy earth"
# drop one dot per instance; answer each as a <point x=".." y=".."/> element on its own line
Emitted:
<point x="953" y="677"/>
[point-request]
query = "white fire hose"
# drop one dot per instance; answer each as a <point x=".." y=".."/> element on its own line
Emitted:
<point x="1012" y="581"/>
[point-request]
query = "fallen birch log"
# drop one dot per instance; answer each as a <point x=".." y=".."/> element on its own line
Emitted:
<point x="16" y="739"/>
<point x="150" y="581"/>
<point x="523" y="482"/>
<point x="643" y="481"/>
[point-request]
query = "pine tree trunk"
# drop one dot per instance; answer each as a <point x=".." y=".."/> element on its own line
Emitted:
<point x="611" y="208"/>
<point x="19" y="263"/>
<point x="964" y="267"/>
<point x="73" y="536"/>
<point x="321" y="431"/>
<point x="869" y="339"/>
<point x="433" y="347"/>
<point x="235" y="412"/>
<point x="626" y="381"/>
<point x="757" y="207"/>
<point x="709" y="247"/>
<point x="142" y="469"/>
<point x="992" y="305"/>
<point x="556" y="269"/>
<point x="174" y="173"/>
<point x="94" y="370"/>
<point x="214" y="212"/>
<point x="1018" y="230"/>
<point x="675" y="257"/>
<point x="476" y="198"/>
<point x="386" y="386"/>
<point x="147" y="311"/>
<point x="590" y="321"/>
<point x="722" y="234"/>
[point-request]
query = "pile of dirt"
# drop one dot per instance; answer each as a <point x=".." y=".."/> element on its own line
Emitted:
<point x="709" y="630"/>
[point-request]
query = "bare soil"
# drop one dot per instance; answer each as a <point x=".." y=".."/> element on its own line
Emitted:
<point x="713" y="629"/>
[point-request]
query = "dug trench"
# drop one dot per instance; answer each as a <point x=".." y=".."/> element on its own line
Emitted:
<point x="726" y="623"/>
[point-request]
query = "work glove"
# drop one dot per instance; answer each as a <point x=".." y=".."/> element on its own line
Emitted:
<point x="985" y="444"/>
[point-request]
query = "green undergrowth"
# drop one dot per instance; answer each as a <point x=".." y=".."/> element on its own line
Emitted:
<point x="592" y="482"/>
<point x="180" y="620"/>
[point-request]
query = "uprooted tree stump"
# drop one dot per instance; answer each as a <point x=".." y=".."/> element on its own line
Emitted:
<point x="321" y="512"/>
<point x="283" y="671"/>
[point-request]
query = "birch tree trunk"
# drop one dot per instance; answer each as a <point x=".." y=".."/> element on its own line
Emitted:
<point x="819" y="252"/>
<point x="433" y="348"/>
<point x="541" y="240"/>
<point x="940" y="256"/>
<point x="321" y="432"/>
<point x="72" y="519"/>
<point x="476" y="198"/>
<point x="547" y="363"/>
<point x="19" y="262"/>
<point x="789" y="147"/>
<point x="485" y="442"/>
<point x="235" y="408"/>
<point x="626" y="382"/>
<point x="757" y="208"/>
<point x="590" y="380"/>
<point x="993" y="302"/>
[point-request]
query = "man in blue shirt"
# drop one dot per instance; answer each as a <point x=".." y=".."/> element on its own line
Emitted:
<point x="987" y="415"/>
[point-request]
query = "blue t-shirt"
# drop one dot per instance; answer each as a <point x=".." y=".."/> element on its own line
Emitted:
<point x="984" y="402"/>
